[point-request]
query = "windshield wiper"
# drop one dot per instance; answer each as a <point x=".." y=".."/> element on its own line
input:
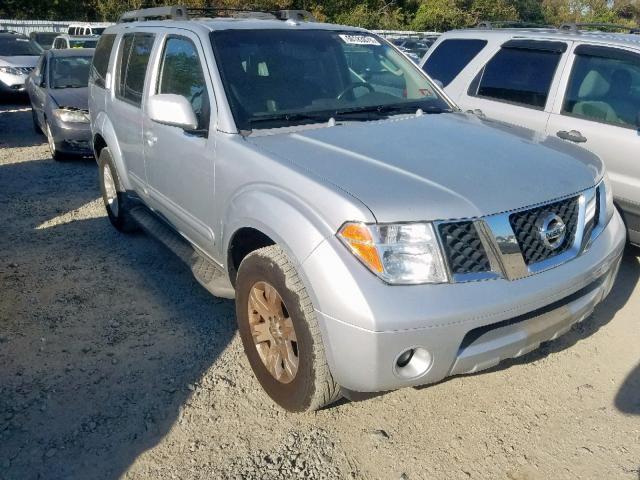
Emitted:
<point x="387" y="110"/>
<point x="289" y="118"/>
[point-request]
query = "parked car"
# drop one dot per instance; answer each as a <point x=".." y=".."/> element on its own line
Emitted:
<point x="583" y="87"/>
<point x="84" y="29"/>
<point x="44" y="39"/>
<point x="18" y="57"/>
<point x="59" y="101"/>
<point x="69" y="41"/>
<point x="373" y="236"/>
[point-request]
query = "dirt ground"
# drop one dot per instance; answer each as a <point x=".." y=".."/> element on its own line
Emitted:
<point x="115" y="363"/>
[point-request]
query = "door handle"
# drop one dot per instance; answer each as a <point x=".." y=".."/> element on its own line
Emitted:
<point x="150" y="138"/>
<point x="477" y="112"/>
<point x="572" y="136"/>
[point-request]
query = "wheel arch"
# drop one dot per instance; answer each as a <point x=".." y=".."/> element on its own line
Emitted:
<point x="104" y="136"/>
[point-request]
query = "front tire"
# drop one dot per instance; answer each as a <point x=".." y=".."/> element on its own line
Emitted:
<point x="115" y="199"/>
<point x="55" y="153"/>
<point x="280" y="332"/>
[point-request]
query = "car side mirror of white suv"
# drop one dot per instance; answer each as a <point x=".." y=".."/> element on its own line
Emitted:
<point x="173" y="110"/>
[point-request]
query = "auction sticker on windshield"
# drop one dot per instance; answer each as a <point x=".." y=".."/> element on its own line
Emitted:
<point x="359" y="40"/>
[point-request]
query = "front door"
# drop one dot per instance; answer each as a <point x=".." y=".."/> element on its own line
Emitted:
<point x="599" y="111"/>
<point x="180" y="163"/>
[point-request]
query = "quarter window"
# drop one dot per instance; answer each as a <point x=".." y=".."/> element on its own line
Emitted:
<point x="134" y="58"/>
<point x="101" y="59"/>
<point x="181" y="74"/>
<point x="521" y="76"/>
<point x="451" y="57"/>
<point x="605" y="89"/>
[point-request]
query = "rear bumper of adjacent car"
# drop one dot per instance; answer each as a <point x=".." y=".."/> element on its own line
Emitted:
<point x="462" y="328"/>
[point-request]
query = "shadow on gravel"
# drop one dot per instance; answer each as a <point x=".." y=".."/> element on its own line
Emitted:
<point x="102" y="335"/>
<point x="17" y="130"/>
<point x="628" y="397"/>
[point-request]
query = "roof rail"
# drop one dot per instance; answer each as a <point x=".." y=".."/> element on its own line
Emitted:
<point x="179" y="12"/>
<point x="487" y="25"/>
<point x="578" y="27"/>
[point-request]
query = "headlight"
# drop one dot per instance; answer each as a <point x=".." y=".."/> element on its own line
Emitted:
<point x="71" y="116"/>
<point x="398" y="253"/>
<point x="11" y="70"/>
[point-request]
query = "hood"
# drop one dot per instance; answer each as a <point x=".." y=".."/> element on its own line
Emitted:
<point x="438" y="167"/>
<point x="19" y="61"/>
<point x="71" y="97"/>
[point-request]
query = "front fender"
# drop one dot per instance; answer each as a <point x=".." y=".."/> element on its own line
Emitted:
<point x="102" y="126"/>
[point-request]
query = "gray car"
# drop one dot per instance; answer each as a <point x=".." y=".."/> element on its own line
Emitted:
<point x="59" y="101"/>
<point x="18" y="57"/>
<point x="373" y="236"/>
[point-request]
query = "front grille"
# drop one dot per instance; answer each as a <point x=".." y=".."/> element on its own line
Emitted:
<point x="526" y="231"/>
<point x="25" y="70"/>
<point x="463" y="248"/>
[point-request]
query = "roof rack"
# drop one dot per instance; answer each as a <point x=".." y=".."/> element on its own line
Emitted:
<point x="486" y="25"/>
<point x="180" y="12"/>
<point x="577" y="27"/>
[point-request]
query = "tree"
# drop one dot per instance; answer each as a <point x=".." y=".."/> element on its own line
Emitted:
<point x="440" y="15"/>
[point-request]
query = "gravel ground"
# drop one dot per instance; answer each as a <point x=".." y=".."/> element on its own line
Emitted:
<point x="115" y="363"/>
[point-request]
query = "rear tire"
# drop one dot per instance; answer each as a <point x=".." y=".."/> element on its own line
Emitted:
<point x="115" y="199"/>
<point x="312" y="386"/>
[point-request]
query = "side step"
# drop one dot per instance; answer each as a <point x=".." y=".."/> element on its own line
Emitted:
<point x="206" y="272"/>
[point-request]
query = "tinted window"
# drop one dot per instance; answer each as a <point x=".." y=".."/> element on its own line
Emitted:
<point x="605" y="89"/>
<point x="519" y="76"/>
<point x="134" y="59"/>
<point x="101" y="59"/>
<point x="271" y="74"/>
<point x="13" y="45"/>
<point x="69" y="72"/>
<point x="450" y="58"/>
<point x="181" y="74"/>
<point x="75" y="43"/>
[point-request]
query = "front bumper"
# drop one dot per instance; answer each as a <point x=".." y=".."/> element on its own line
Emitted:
<point x="72" y="138"/>
<point x="10" y="83"/>
<point x="465" y="327"/>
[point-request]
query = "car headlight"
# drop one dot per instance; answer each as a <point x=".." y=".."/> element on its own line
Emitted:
<point x="609" y="208"/>
<point x="398" y="253"/>
<point x="11" y="70"/>
<point x="71" y="116"/>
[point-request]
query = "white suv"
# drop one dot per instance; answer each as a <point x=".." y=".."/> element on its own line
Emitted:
<point x="583" y="87"/>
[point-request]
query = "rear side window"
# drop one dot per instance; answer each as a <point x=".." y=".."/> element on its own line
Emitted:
<point x="521" y="76"/>
<point x="604" y="87"/>
<point x="451" y="57"/>
<point x="101" y="59"/>
<point x="134" y="58"/>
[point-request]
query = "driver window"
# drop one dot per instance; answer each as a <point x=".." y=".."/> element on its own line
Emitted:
<point x="181" y="74"/>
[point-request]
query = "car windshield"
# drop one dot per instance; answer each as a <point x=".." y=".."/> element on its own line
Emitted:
<point x="16" y="46"/>
<point x="97" y="31"/>
<point x="281" y="77"/>
<point x="88" y="43"/>
<point x="45" y="39"/>
<point x="69" y="72"/>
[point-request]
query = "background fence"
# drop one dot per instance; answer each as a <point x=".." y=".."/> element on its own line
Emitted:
<point x="27" y="26"/>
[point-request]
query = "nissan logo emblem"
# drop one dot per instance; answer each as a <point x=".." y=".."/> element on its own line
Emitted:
<point x="552" y="230"/>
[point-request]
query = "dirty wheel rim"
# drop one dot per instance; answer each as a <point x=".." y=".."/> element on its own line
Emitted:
<point x="110" y="190"/>
<point x="273" y="333"/>
<point x="50" y="141"/>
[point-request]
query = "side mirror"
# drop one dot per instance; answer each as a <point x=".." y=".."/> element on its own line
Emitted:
<point x="173" y="110"/>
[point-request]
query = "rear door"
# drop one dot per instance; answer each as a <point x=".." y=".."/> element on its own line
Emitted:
<point x="518" y="84"/>
<point x="599" y="110"/>
<point x="125" y="110"/>
<point x="179" y="163"/>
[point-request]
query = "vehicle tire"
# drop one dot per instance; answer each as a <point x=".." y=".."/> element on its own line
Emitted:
<point x="55" y="153"/>
<point x="280" y="332"/>
<point x="115" y="199"/>
<point x="36" y="125"/>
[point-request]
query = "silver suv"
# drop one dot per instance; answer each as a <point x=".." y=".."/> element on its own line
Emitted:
<point x="581" y="86"/>
<point x="372" y="235"/>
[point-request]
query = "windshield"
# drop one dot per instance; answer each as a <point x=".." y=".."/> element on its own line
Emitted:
<point x="69" y="72"/>
<point x="97" y="30"/>
<point x="45" y="39"/>
<point x="278" y="77"/>
<point x="89" y="43"/>
<point x="12" y="46"/>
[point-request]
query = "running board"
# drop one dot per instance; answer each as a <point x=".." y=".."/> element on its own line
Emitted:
<point x="206" y="272"/>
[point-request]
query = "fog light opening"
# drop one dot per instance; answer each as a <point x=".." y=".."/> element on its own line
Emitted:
<point x="412" y="363"/>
